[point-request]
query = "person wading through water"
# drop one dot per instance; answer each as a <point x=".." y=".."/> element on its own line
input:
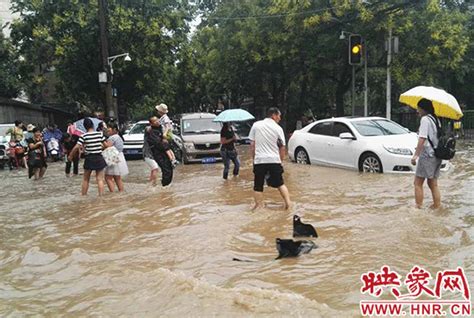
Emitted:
<point x="92" y="142"/>
<point x="268" y="150"/>
<point x="228" y="151"/>
<point x="428" y="166"/>
<point x="36" y="155"/>
<point x="154" y="138"/>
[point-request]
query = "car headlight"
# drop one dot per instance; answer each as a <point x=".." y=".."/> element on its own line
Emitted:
<point x="399" y="151"/>
<point x="189" y="146"/>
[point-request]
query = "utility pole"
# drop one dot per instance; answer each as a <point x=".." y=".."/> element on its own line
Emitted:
<point x="104" y="50"/>
<point x="353" y="90"/>
<point x="366" y="107"/>
<point x="389" y="78"/>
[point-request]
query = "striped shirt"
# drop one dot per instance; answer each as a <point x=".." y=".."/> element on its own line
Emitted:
<point x="92" y="142"/>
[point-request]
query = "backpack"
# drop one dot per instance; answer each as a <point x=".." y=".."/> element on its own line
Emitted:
<point x="446" y="144"/>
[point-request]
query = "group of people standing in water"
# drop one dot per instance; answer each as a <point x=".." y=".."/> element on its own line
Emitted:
<point x="267" y="149"/>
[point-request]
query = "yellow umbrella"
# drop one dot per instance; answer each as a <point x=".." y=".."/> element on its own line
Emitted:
<point x="445" y="105"/>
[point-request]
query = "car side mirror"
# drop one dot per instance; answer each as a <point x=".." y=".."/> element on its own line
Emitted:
<point x="346" y="136"/>
<point x="126" y="132"/>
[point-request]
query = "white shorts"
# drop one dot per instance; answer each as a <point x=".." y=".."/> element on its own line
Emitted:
<point x="151" y="163"/>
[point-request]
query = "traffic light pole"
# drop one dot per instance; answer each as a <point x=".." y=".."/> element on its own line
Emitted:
<point x="366" y="107"/>
<point x="389" y="78"/>
<point x="353" y="90"/>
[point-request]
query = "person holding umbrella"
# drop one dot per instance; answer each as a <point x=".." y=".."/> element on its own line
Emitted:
<point x="228" y="137"/>
<point x="228" y="151"/>
<point x="427" y="165"/>
<point x="431" y="103"/>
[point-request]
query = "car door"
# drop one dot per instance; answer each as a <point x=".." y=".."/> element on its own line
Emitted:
<point x="342" y="152"/>
<point x="317" y="140"/>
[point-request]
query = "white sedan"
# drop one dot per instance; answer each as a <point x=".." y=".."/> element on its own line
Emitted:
<point x="369" y="144"/>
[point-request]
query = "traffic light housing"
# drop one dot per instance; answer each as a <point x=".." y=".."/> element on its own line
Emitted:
<point x="355" y="49"/>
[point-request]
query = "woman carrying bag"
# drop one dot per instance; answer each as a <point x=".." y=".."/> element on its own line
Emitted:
<point x="36" y="155"/>
<point x="115" y="172"/>
<point x="427" y="164"/>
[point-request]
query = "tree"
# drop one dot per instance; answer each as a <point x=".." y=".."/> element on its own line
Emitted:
<point x="10" y="86"/>
<point x="63" y="35"/>
<point x="290" y="52"/>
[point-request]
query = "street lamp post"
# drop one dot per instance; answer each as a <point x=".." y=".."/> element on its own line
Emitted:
<point x="111" y="60"/>
<point x="342" y="36"/>
<point x="111" y="107"/>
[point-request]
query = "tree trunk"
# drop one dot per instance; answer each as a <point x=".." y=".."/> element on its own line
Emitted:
<point x="342" y="86"/>
<point x="340" y="100"/>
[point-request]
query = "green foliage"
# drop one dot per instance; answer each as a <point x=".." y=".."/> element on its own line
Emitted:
<point x="288" y="53"/>
<point x="10" y="86"/>
<point x="273" y="52"/>
<point x="64" y="34"/>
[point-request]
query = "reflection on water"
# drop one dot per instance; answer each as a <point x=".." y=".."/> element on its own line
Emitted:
<point x="169" y="252"/>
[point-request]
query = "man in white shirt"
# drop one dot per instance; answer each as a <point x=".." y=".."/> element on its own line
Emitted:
<point x="268" y="150"/>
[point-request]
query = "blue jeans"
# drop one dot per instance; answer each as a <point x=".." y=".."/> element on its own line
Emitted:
<point x="227" y="156"/>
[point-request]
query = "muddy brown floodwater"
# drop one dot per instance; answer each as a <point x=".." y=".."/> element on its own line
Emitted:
<point x="168" y="252"/>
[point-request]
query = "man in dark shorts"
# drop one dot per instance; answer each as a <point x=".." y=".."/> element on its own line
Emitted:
<point x="268" y="150"/>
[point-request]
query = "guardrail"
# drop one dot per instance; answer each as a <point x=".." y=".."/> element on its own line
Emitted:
<point x="411" y="121"/>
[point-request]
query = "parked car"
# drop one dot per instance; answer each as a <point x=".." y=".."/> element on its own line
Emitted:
<point x="198" y="137"/>
<point x="369" y="144"/>
<point x="133" y="139"/>
<point x="4" y="144"/>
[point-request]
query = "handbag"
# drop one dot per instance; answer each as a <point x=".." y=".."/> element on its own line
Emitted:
<point x="111" y="156"/>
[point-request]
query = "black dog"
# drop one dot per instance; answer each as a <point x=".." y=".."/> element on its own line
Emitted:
<point x="301" y="229"/>
<point x="290" y="248"/>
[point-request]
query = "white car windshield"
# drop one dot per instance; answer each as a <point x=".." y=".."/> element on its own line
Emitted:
<point x="138" y="129"/>
<point x="201" y="126"/>
<point x="378" y="127"/>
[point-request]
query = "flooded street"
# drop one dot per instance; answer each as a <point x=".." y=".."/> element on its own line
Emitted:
<point x="168" y="252"/>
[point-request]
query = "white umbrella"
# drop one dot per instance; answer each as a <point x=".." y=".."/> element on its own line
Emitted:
<point x="234" y="115"/>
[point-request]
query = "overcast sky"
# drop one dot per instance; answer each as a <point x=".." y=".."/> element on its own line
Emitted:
<point x="5" y="14"/>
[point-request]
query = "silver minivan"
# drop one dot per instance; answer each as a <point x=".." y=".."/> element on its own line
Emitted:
<point x="199" y="137"/>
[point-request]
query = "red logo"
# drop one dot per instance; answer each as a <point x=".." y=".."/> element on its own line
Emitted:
<point x="417" y="283"/>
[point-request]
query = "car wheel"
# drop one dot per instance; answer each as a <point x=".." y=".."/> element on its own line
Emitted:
<point x="301" y="156"/>
<point x="369" y="162"/>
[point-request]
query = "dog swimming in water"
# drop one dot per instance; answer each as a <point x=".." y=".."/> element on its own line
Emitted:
<point x="302" y="229"/>
<point x="290" y="248"/>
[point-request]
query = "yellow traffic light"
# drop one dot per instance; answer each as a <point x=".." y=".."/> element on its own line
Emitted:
<point x="356" y="49"/>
